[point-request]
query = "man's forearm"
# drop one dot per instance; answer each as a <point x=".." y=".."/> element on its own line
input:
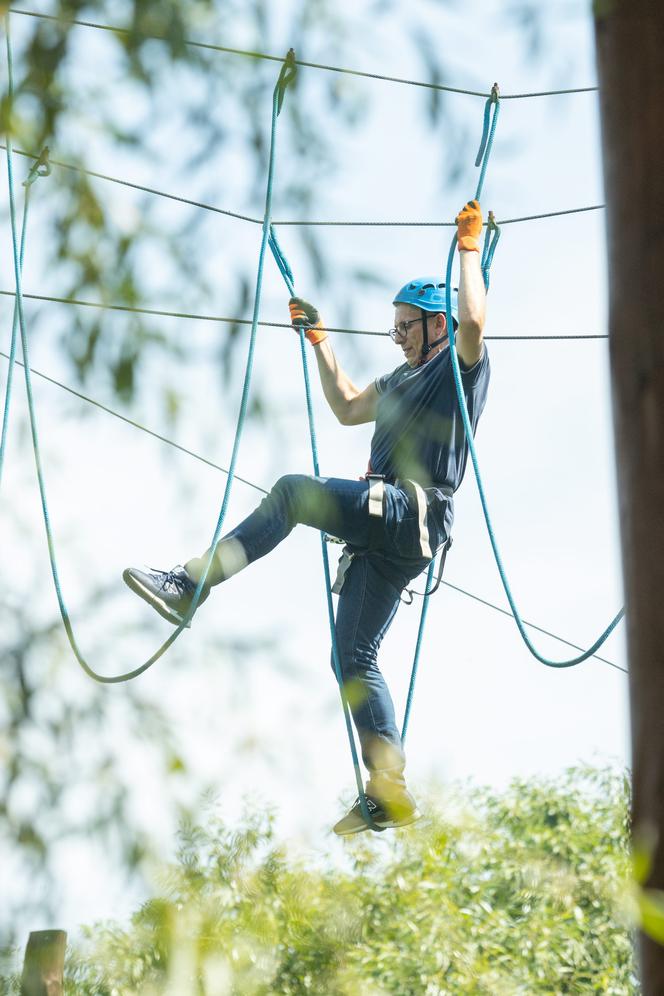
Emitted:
<point x="338" y="388"/>
<point x="472" y="293"/>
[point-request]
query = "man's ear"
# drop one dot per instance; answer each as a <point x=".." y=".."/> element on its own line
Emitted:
<point x="441" y="323"/>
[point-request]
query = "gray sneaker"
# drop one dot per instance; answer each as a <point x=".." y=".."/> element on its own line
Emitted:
<point x="169" y="592"/>
<point x="400" y="811"/>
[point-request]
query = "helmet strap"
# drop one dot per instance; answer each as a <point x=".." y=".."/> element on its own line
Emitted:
<point x="426" y="348"/>
<point x="426" y="345"/>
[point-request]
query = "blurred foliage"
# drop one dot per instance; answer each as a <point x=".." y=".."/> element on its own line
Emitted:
<point x="52" y="748"/>
<point x="68" y="780"/>
<point x="201" y="117"/>
<point x="502" y="894"/>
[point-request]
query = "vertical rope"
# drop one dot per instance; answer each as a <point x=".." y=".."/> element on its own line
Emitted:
<point x="14" y="343"/>
<point x="486" y="145"/>
<point x="287" y="274"/>
<point x="471" y="444"/>
<point x="418" y="646"/>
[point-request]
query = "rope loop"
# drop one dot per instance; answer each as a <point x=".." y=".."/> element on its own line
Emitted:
<point x="493" y="99"/>
<point x="491" y="238"/>
<point x="41" y="167"/>
<point x="286" y="76"/>
<point x="485" y="508"/>
<point x="281" y="261"/>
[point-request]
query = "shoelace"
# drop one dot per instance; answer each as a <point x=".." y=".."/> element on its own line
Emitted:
<point x="371" y="805"/>
<point x="171" y="578"/>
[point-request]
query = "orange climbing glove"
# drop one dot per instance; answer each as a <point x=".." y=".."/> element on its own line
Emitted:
<point x="304" y="314"/>
<point x="469" y="227"/>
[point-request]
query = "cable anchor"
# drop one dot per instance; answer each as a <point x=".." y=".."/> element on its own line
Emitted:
<point x="41" y="167"/>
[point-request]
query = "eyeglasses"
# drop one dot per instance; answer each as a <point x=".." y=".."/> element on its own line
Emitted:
<point x="401" y="330"/>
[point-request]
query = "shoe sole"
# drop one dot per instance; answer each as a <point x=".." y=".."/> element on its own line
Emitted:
<point x="148" y="596"/>
<point x="383" y="825"/>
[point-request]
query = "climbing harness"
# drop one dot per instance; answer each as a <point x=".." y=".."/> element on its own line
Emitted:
<point x="441" y="567"/>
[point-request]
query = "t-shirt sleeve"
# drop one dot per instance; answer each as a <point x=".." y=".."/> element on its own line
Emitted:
<point x="478" y="374"/>
<point x="388" y="380"/>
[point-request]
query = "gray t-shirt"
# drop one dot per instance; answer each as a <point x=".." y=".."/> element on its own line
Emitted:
<point x="419" y="431"/>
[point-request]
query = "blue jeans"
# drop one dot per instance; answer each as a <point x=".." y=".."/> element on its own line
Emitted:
<point x="384" y="560"/>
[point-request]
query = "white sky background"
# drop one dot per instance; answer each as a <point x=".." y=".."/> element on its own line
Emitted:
<point x="484" y="708"/>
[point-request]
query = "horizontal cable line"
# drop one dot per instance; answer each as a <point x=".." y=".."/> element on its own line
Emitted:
<point x="312" y="224"/>
<point x="173" y="314"/>
<point x="546" y="632"/>
<point x="256" y="487"/>
<point x="431" y="224"/>
<point x="300" y="62"/>
<point x="139" y="186"/>
<point x="550" y="214"/>
<point x="277" y="325"/>
<point x="136" y="425"/>
<point x="434" y="224"/>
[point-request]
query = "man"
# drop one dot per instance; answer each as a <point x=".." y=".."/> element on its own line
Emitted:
<point x="393" y="521"/>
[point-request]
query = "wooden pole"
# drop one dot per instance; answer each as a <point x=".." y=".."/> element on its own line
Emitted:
<point x="629" y="38"/>
<point x="43" y="967"/>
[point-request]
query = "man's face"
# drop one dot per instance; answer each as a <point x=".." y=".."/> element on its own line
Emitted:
<point x="412" y="340"/>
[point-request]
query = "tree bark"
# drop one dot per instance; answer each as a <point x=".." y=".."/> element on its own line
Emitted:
<point x="629" y="38"/>
<point x="43" y="967"/>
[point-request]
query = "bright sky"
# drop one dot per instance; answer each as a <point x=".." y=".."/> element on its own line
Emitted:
<point x="269" y="726"/>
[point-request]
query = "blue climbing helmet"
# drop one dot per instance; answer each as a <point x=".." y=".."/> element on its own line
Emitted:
<point x="428" y="294"/>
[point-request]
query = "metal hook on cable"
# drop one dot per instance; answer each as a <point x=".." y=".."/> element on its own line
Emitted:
<point x="41" y="167"/>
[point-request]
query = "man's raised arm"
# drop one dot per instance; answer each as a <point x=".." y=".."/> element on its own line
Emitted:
<point x="472" y="293"/>
<point x="350" y="405"/>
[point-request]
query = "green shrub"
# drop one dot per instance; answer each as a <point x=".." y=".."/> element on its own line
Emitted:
<point x="511" y="894"/>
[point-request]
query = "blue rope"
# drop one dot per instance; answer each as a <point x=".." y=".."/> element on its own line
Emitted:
<point x="491" y="238"/>
<point x="485" y="132"/>
<point x="488" y="134"/>
<point x="490" y="242"/>
<point x="287" y="274"/>
<point x="418" y="646"/>
<point x="471" y="444"/>
<point x="285" y="77"/>
<point x="38" y="168"/>
<point x="12" y="350"/>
